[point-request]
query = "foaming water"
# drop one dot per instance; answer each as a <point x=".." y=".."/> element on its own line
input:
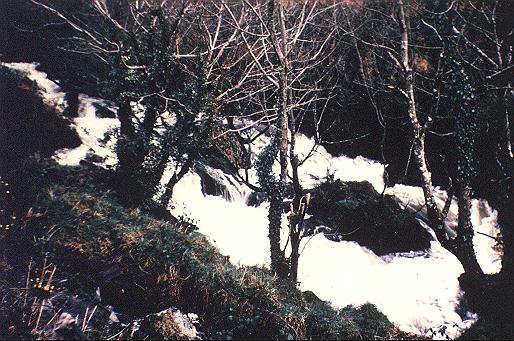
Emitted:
<point x="483" y="217"/>
<point x="90" y="128"/>
<point x="93" y="132"/>
<point x="418" y="291"/>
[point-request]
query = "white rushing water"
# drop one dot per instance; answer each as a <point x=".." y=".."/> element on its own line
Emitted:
<point x="418" y="291"/>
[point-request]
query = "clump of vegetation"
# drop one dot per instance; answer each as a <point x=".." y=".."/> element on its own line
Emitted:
<point x="354" y="211"/>
<point x="144" y="265"/>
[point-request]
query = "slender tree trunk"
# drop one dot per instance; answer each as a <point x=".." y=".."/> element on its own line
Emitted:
<point x="295" y="254"/>
<point x="278" y="261"/>
<point x="506" y="209"/>
<point x="295" y="223"/>
<point x="293" y="158"/>
<point x="284" y="89"/>
<point x="433" y="212"/>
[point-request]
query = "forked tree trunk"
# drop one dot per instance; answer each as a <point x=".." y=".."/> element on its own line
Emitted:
<point x="433" y="212"/>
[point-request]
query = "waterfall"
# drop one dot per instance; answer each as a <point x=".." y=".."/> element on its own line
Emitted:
<point x="418" y="291"/>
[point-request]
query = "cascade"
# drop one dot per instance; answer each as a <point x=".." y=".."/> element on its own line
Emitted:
<point x="418" y="291"/>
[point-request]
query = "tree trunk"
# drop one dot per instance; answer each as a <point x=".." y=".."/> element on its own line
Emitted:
<point x="278" y="260"/>
<point x="503" y="130"/>
<point x="463" y="244"/>
<point x="296" y="217"/>
<point x="175" y="178"/>
<point x="433" y="212"/>
<point x="506" y="136"/>
<point x="284" y="101"/>
<point x="505" y="158"/>
<point x="295" y="254"/>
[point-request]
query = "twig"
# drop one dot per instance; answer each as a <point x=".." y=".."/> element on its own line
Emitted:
<point x="40" y="313"/>
<point x="497" y="239"/>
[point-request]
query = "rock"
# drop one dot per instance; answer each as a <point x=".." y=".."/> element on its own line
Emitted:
<point x="354" y="211"/>
<point x="92" y="157"/>
<point x="256" y="198"/>
<point x="27" y="124"/>
<point x="216" y="182"/>
<point x="169" y="324"/>
<point x="64" y="328"/>
<point x="103" y="112"/>
<point x="311" y="297"/>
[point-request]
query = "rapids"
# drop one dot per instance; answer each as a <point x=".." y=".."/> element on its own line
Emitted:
<point x="418" y="291"/>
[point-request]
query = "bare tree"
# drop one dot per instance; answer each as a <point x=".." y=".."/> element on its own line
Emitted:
<point x="287" y="44"/>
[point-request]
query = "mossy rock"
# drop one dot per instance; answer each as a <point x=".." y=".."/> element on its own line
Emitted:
<point x="354" y="211"/>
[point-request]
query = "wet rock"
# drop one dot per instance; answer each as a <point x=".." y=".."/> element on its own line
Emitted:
<point x="216" y="182"/>
<point x="27" y="124"/>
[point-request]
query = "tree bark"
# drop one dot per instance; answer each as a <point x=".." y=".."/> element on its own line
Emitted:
<point x="284" y="101"/>
<point x="295" y="254"/>
<point x="504" y="136"/>
<point x="463" y="244"/>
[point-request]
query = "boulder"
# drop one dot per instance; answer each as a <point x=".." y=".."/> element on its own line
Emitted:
<point x="354" y="211"/>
